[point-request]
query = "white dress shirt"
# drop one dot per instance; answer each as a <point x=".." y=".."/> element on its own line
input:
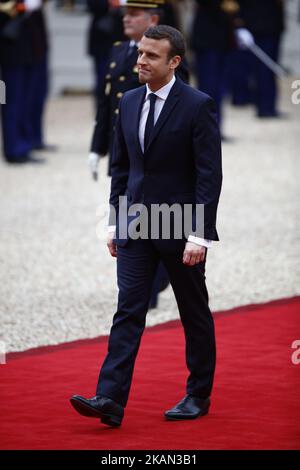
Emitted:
<point x="162" y="94"/>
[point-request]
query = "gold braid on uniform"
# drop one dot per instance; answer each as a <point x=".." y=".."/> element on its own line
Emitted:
<point x="145" y="3"/>
<point x="230" y="6"/>
<point x="9" y="8"/>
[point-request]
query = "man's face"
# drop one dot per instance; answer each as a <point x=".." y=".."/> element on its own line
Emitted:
<point x="154" y="65"/>
<point x="136" y="21"/>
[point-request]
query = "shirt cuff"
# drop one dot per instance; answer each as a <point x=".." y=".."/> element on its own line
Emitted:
<point x="197" y="240"/>
<point x="200" y="241"/>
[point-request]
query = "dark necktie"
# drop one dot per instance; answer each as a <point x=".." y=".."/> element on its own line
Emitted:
<point x="150" y="121"/>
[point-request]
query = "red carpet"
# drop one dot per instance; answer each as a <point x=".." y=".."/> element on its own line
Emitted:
<point x="255" y="404"/>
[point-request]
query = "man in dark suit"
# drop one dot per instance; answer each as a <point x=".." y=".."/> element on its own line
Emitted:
<point x="167" y="150"/>
<point x="122" y="75"/>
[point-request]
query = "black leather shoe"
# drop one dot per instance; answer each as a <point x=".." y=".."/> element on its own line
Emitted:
<point x="46" y="147"/>
<point x="189" y="408"/>
<point x="37" y="160"/>
<point x="109" y="412"/>
<point x="17" y="159"/>
<point x="24" y="159"/>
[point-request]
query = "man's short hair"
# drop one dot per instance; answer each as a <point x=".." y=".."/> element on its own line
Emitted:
<point x="174" y="37"/>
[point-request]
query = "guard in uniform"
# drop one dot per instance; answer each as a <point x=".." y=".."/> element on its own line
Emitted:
<point x="37" y="85"/>
<point x="106" y="27"/>
<point x="23" y="61"/>
<point x="265" y="20"/>
<point x="121" y="75"/>
<point x="15" y="56"/>
<point x="212" y="40"/>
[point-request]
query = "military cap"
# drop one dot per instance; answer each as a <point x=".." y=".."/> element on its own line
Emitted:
<point x="144" y="3"/>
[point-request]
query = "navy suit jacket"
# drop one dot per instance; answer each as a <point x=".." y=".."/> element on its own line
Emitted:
<point x="182" y="163"/>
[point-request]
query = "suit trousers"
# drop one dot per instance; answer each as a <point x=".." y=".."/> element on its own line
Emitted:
<point x="137" y="263"/>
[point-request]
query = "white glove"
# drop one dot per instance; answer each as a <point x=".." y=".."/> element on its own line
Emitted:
<point x="93" y="162"/>
<point x="32" y="5"/>
<point x="244" y="38"/>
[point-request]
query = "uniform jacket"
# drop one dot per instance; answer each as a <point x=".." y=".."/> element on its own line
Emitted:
<point x="106" y="27"/>
<point x="213" y="26"/>
<point x="23" y="39"/>
<point x="263" y="17"/>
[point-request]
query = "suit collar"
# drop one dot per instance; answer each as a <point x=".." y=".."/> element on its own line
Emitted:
<point x="163" y="92"/>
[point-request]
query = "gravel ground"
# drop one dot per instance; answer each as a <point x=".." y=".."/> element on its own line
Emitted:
<point x="57" y="280"/>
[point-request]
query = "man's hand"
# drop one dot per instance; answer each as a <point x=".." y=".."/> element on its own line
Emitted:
<point x="111" y="245"/>
<point x="193" y="254"/>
